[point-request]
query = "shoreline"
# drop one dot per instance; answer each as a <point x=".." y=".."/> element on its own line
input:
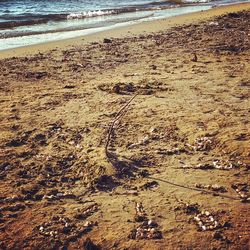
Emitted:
<point x="125" y="31"/>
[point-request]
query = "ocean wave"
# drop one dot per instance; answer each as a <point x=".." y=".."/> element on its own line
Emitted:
<point x="9" y="21"/>
<point x="27" y="33"/>
<point x="86" y="14"/>
<point x="134" y="8"/>
<point x="196" y="1"/>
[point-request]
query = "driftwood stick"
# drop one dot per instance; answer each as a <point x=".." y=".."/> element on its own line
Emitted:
<point x="118" y="116"/>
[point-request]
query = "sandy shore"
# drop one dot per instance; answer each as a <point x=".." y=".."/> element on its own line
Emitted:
<point x="175" y="172"/>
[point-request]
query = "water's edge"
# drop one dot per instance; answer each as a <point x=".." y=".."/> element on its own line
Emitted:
<point x="33" y="39"/>
<point x="53" y="36"/>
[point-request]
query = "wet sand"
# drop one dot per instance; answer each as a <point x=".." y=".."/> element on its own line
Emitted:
<point x="175" y="171"/>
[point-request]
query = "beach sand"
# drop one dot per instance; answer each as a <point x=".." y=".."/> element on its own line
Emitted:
<point x="175" y="173"/>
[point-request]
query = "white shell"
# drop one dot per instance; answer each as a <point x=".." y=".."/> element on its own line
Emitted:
<point x="197" y="218"/>
<point x="150" y="222"/>
<point x="211" y="218"/>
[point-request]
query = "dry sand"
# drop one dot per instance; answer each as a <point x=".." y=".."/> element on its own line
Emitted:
<point x="179" y="152"/>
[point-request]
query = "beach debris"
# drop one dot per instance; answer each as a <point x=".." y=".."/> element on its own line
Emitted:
<point x="140" y="214"/>
<point x="227" y="164"/>
<point x="206" y="221"/>
<point x="52" y="228"/>
<point x="59" y="226"/>
<point x="17" y="142"/>
<point x="150" y="185"/>
<point x="11" y="199"/>
<point x="120" y="88"/>
<point x="147" y="230"/>
<point x="153" y="67"/>
<point x="173" y="151"/>
<point x="189" y="208"/>
<point x="14" y="208"/>
<point x="204" y="166"/>
<point x="6" y="166"/>
<point x="194" y="59"/>
<point x="2" y="175"/>
<point x="143" y="141"/>
<point x="242" y="189"/>
<point x="2" y="219"/>
<point x="224" y="165"/>
<point x="219" y="236"/>
<point x="202" y="144"/>
<point x="37" y="75"/>
<point x="170" y="133"/>
<point x="153" y="130"/>
<point x="89" y="245"/>
<point x="86" y="212"/>
<point x="127" y="88"/>
<point x="69" y="86"/>
<point x="107" y="40"/>
<point x="241" y="137"/>
<point x="214" y="187"/>
<point x="59" y="196"/>
<point x="216" y="164"/>
<point x="130" y="74"/>
<point x="207" y="166"/>
<point x="213" y="24"/>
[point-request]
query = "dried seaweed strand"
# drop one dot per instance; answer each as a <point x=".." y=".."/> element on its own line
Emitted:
<point x="118" y="116"/>
<point x="195" y="189"/>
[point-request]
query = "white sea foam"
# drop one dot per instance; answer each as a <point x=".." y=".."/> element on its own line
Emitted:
<point x="196" y="1"/>
<point x="94" y="13"/>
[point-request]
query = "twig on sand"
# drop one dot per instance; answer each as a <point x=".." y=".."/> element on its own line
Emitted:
<point x="118" y="116"/>
<point x="194" y="188"/>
